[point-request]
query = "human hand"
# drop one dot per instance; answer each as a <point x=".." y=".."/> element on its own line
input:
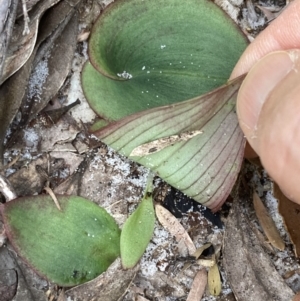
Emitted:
<point x="268" y="103"/>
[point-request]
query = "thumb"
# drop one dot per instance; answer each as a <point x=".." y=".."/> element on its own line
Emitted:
<point x="268" y="107"/>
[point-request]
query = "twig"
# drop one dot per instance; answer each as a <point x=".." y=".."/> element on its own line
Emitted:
<point x="54" y="198"/>
<point x="6" y="189"/>
<point x="26" y="18"/>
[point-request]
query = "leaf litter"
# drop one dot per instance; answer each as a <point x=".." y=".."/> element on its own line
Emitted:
<point x="120" y="181"/>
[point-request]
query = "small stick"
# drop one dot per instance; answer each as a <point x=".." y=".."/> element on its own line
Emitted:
<point x="7" y="189"/>
<point x="26" y="18"/>
<point x="54" y="198"/>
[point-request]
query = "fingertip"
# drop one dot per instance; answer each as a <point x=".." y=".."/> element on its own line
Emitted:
<point x="266" y="74"/>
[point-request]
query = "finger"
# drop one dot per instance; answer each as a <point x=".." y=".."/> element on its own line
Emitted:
<point x="282" y="34"/>
<point x="268" y="108"/>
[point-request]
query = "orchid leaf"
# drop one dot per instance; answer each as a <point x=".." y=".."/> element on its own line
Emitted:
<point x="204" y="167"/>
<point x="138" y="230"/>
<point x="159" y="56"/>
<point x="67" y="247"/>
<point x="145" y="54"/>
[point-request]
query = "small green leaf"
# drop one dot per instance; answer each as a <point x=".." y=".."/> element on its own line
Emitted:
<point x="67" y="247"/>
<point x="173" y="49"/>
<point x="138" y="230"/>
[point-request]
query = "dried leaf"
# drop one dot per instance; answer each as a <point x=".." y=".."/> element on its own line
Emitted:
<point x="214" y="280"/>
<point x="200" y="250"/>
<point x="251" y="274"/>
<point x="208" y="263"/>
<point x="29" y="286"/>
<point x="11" y="93"/>
<point x="290" y="213"/>
<point x="8" y="284"/>
<point x="171" y="224"/>
<point x="198" y="286"/>
<point x="13" y="90"/>
<point x="7" y="18"/>
<point x="267" y="223"/>
<point x="29" y="5"/>
<point x="50" y="74"/>
<point x="21" y="46"/>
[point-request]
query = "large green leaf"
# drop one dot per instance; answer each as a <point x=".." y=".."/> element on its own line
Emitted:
<point x="68" y="247"/>
<point x="204" y="167"/>
<point x="173" y="49"/>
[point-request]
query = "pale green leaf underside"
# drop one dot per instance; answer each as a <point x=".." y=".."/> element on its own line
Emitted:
<point x="204" y="167"/>
<point x="174" y="50"/>
<point x="68" y="247"/>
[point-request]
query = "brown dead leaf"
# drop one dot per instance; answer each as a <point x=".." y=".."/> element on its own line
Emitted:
<point x="29" y="5"/>
<point x="57" y="65"/>
<point x="171" y="224"/>
<point x="109" y="286"/>
<point x="214" y="280"/>
<point x="290" y="213"/>
<point x="8" y="284"/>
<point x="200" y="250"/>
<point x="267" y="223"/>
<point x="13" y="90"/>
<point x="21" y="46"/>
<point x="11" y="93"/>
<point x="251" y="274"/>
<point x="7" y="19"/>
<point x="29" y="286"/>
<point x="198" y="286"/>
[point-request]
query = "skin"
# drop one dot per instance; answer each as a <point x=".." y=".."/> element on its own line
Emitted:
<point x="268" y="103"/>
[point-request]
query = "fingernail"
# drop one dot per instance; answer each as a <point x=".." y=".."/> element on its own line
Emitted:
<point x="266" y="74"/>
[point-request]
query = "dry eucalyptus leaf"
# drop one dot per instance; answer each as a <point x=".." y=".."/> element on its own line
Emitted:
<point x="267" y="223"/>
<point x="11" y="94"/>
<point x="29" y="285"/>
<point x="198" y="286"/>
<point x="290" y="213"/>
<point x="109" y="286"/>
<point x="171" y="224"/>
<point x="27" y="180"/>
<point x="21" y="46"/>
<point x="250" y="272"/>
<point x="7" y="18"/>
<point x="13" y="90"/>
<point x="48" y="76"/>
<point x="51" y="72"/>
<point x="29" y="5"/>
<point x="52" y="24"/>
<point x="208" y="263"/>
<point x="214" y="280"/>
<point x="8" y="284"/>
<point x="200" y="250"/>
